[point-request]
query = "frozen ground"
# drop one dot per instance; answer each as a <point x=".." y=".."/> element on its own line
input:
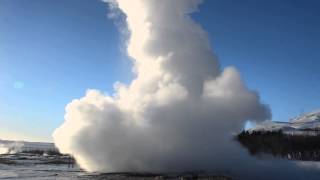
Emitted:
<point x="27" y="162"/>
<point x="35" y="166"/>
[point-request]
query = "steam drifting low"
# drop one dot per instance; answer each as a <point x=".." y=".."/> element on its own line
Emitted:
<point x="178" y="112"/>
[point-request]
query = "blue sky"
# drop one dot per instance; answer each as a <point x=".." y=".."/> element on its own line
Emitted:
<point x="52" y="51"/>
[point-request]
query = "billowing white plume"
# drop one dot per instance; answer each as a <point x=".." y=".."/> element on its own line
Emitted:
<point x="178" y="112"/>
<point x="11" y="148"/>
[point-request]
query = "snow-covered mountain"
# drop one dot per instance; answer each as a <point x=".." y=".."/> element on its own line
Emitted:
<point x="306" y="123"/>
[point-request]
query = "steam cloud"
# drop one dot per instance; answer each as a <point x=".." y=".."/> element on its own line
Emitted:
<point x="179" y="111"/>
<point x="10" y="148"/>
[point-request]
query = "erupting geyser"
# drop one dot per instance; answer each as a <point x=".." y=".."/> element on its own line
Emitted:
<point x="178" y="112"/>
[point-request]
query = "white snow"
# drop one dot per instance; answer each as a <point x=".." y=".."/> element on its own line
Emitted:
<point x="307" y="117"/>
<point x="308" y="123"/>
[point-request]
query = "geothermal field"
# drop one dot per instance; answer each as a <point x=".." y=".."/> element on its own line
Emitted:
<point x="159" y="89"/>
<point x="38" y="161"/>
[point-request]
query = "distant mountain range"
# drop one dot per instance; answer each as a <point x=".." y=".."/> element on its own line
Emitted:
<point x="18" y="146"/>
<point x="306" y="124"/>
